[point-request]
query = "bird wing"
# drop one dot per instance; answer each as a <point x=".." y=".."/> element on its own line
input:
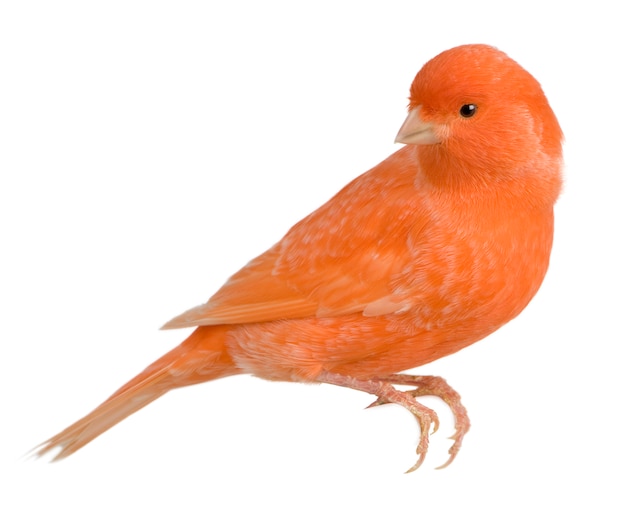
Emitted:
<point x="341" y="259"/>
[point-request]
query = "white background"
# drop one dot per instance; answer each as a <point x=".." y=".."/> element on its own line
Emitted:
<point x="149" y="149"/>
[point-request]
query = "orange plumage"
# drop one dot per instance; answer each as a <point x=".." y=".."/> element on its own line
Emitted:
<point x="431" y="250"/>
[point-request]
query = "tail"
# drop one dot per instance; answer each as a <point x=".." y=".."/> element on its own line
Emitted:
<point x="201" y="357"/>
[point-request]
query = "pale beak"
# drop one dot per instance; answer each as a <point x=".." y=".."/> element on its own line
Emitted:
<point x="416" y="131"/>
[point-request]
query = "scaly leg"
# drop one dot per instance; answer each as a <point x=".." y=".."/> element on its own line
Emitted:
<point x="425" y="385"/>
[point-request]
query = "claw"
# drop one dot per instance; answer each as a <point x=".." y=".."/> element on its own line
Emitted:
<point x="422" y="446"/>
<point x="435" y="423"/>
<point x="418" y="464"/>
<point x="378" y="402"/>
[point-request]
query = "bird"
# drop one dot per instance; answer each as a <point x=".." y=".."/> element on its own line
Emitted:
<point x="431" y="250"/>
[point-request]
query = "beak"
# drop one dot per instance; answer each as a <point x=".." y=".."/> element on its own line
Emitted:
<point x="416" y="131"/>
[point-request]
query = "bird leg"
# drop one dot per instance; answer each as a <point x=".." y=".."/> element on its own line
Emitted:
<point x="424" y="386"/>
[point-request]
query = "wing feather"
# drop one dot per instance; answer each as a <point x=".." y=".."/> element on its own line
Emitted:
<point x="339" y="260"/>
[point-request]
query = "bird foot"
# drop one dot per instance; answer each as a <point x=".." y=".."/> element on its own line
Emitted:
<point x="438" y="387"/>
<point x="424" y="386"/>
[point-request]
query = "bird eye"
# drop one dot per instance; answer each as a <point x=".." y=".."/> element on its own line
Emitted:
<point x="467" y="110"/>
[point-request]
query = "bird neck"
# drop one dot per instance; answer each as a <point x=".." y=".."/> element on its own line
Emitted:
<point x="535" y="183"/>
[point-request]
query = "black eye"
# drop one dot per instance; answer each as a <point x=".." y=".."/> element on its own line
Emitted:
<point x="467" y="110"/>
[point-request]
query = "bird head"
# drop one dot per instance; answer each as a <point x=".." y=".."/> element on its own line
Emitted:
<point x="476" y="113"/>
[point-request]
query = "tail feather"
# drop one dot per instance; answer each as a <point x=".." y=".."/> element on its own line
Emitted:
<point x="202" y="357"/>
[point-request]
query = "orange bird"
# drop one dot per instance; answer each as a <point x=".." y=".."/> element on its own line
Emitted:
<point x="431" y="250"/>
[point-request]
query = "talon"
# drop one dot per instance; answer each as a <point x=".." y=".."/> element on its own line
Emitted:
<point x="378" y="402"/>
<point x="417" y="465"/>
<point x="445" y="464"/>
<point x="435" y="424"/>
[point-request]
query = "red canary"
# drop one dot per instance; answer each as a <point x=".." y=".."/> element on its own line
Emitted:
<point x="431" y="250"/>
